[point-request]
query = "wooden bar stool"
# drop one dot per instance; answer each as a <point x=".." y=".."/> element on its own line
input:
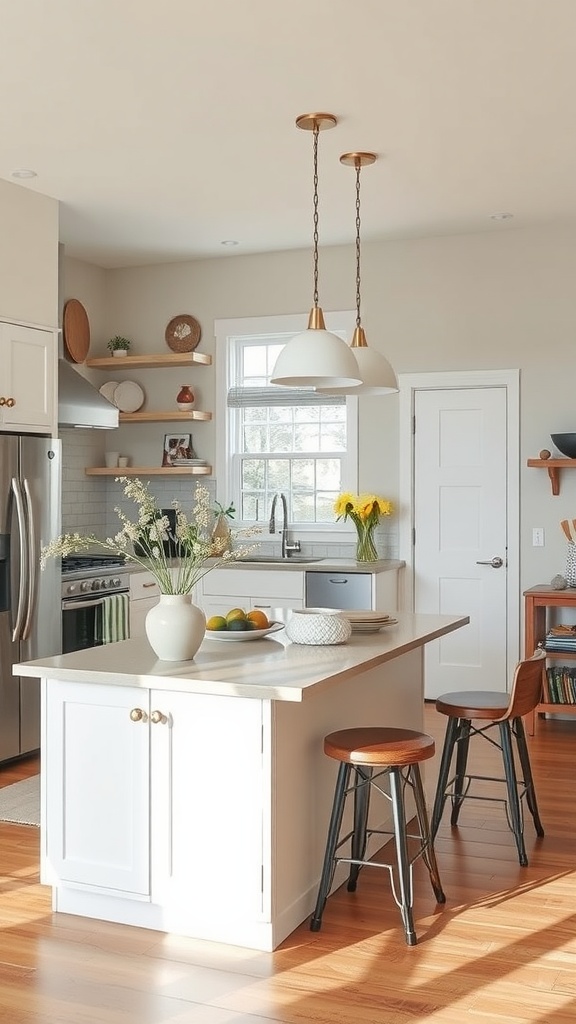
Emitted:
<point x="373" y="754"/>
<point x="505" y="711"/>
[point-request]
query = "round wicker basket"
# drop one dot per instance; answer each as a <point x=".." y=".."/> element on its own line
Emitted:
<point x="183" y="333"/>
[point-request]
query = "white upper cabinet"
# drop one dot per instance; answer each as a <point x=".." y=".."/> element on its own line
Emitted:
<point x="28" y="367"/>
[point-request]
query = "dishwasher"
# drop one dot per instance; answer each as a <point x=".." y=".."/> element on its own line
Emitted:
<point x="348" y="591"/>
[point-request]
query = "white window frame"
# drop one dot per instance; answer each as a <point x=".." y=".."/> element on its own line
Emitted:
<point x="342" y="323"/>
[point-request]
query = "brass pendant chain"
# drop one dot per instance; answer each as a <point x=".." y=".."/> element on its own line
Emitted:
<point x="316" y="133"/>
<point x="358" y="318"/>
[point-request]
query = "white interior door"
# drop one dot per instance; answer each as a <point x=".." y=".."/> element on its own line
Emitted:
<point x="460" y="553"/>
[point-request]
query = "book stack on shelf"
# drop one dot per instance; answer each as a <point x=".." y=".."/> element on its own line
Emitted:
<point x="561" y="638"/>
<point x="560" y="685"/>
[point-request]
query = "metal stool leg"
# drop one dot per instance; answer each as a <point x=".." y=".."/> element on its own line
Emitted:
<point x="512" y="788"/>
<point x="521" y="743"/>
<point x="463" y="742"/>
<point x="404" y="870"/>
<point x="331" y="844"/>
<point x="445" y="762"/>
<point x="428" y="852"/>
<point x="361" y="808"/>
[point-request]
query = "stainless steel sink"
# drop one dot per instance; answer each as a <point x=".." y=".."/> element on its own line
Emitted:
<point x="277" y="560"/>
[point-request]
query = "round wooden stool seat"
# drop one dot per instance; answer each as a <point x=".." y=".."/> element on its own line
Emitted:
<point x="379" y="746"/>
<point x="484" y="704"/>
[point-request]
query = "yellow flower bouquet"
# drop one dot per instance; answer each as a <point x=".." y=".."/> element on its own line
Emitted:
<point x="365" y="511"/>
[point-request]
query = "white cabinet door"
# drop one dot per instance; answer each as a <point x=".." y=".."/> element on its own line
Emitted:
<point x="207" y="800"/>
<point x="97" y="778"/>
<point x="27" y="378"/>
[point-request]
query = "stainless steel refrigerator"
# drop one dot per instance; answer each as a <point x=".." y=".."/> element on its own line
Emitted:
<point x="30" y="615"/>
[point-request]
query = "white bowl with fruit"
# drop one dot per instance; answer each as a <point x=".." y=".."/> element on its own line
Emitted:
<point x="240" y="625"/>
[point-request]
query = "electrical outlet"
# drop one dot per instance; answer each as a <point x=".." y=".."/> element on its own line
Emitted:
<point x="538" y="537"/>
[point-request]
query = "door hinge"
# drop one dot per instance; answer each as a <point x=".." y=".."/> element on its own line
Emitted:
<point x="262" y="879"/>
<point x="413" y="536"/>
<point x="414" y="424"/>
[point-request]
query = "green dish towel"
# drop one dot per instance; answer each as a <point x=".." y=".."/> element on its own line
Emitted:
<point x="115" y="618"/>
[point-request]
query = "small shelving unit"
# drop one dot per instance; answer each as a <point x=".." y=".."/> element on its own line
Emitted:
<point x="149" y="471"/>
<point x="536" y="602"/>
<point x="553" y="466"/>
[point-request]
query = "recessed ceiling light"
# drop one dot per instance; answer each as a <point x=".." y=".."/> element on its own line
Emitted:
<point x="24" y="172"/>
<point x="501" y="216"/>
<point x="228" y="241"/>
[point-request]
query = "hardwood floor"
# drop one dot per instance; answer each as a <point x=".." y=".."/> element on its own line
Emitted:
<point x="501" y="951"/>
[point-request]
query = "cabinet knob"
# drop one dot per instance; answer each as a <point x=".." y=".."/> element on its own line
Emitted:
<point x="158" y="718"/>
<point x="138" y="715"/>
<point x="10" y="402"/>
<point x="2" y="400"/>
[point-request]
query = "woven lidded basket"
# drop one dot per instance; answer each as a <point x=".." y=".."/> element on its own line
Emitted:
<point x="318" y="626"/>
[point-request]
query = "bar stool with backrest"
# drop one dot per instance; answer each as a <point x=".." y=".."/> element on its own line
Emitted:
<point x="373" y="754"/>
<point x="504" y="711"/>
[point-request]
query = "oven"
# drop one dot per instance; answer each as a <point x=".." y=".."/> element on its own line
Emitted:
<point x="86" y="581"/>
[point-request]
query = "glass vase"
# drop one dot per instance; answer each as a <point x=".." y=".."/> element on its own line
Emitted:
<point x="365" y="546"/>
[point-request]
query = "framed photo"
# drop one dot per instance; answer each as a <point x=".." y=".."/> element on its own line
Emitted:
<point x="178" y="449"/>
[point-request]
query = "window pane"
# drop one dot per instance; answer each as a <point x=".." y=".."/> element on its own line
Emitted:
<point x="253" y="474"/>
<point x="281" y="439"/>
<point x="307" y="438"/>
<point x="279" y="475"/>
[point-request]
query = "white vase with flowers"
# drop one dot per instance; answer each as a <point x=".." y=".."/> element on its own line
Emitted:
<point x="175" y="627"/>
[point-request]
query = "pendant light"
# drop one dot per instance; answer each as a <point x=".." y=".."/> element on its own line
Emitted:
<point x="316" y="358"/>
<point x="378" y="377"/>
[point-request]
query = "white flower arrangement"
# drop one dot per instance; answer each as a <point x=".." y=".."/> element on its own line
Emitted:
<point x="197" y="554"/>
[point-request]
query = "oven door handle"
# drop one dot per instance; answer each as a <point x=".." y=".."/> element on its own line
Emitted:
<point x="68" y="606"/>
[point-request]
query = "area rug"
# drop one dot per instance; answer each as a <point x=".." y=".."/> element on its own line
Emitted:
<point x="20" y="802"/>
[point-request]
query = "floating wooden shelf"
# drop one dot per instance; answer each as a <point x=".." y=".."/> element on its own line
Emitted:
<point x="150" y="362"/>
<point x="149" y="471"/>
<point x="163" y="417"/>
<point x="553" y="466"/>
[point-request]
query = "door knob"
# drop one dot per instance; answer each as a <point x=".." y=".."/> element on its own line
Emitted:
<point x="495" y="562"/>
<point x="137" y="715"/>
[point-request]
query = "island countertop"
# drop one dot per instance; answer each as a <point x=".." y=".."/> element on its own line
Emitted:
<point x="271" y="668"/>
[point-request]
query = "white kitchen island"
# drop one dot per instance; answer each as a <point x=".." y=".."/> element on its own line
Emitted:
<point x="194" y="797"/>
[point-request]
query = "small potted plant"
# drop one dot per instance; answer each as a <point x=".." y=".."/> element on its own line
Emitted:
<point x="118" y="346"/>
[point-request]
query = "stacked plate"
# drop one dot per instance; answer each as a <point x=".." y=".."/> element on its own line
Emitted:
<point x="368" y="622"/>
<point x="127" y="396"/>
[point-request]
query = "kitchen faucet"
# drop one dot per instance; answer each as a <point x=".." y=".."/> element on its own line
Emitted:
<point x="286" y="546"/>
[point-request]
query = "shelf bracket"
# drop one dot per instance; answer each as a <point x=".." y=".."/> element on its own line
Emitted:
<point x="554" y="474"/>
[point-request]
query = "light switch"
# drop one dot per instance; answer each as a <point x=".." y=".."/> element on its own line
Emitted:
<point x="538" y="537"/>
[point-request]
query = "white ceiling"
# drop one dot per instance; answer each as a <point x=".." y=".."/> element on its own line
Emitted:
<point x="167" y="127"/>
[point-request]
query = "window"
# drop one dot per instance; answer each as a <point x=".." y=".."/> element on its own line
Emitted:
<point x="277" y="439"/>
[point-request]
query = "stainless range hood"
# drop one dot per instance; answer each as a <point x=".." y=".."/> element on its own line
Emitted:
<point x="80" y="404"/>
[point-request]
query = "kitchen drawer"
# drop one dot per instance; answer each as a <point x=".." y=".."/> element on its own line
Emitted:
<point x="339" y="590"/>
<point x="261" y="583"/>
<point x="143" y="584"/>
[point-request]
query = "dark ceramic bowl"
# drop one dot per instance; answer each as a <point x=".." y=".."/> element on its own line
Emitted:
<point x="565" y="443"/>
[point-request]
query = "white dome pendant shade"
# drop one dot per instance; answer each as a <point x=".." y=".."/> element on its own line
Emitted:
<point x="378" y="377"/>
<point x="316" y="358"/>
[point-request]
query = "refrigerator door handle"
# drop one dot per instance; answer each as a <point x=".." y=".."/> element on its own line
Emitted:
<point x="32" y="561"/>
<point x="22" y="582"/>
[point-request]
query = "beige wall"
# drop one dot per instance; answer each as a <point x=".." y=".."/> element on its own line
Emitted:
<point x="28" y="255"/>
<point x="500" y="299"/>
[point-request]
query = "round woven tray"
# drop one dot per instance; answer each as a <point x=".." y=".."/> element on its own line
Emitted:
<point x="183" y="333"/>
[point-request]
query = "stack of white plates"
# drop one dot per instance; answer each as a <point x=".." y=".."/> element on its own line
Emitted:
<point x="368" y="622"/>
